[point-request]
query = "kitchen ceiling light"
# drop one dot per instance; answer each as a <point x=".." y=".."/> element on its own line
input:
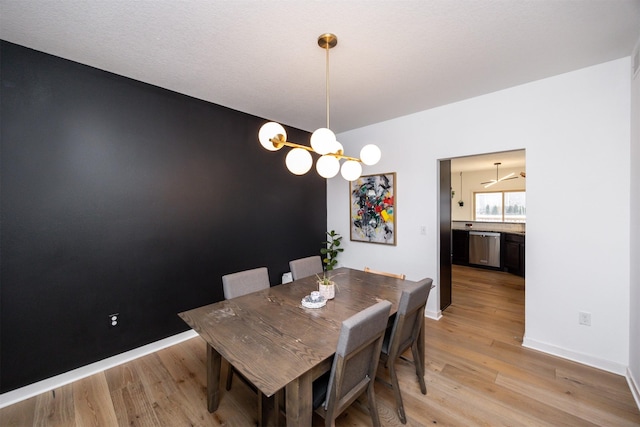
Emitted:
<point x="273" y="137"/>
<point x="488" y="184"/>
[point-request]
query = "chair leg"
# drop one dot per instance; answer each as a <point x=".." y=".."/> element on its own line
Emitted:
<point x="373" y="407"/>
<point x="417" y="361"/>
<point x="396" y="392"/>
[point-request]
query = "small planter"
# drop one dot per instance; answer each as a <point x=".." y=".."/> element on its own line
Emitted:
<point x="327" y="290"/>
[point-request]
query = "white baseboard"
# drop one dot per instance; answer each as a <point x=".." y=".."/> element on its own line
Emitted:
<point x="634" y="385"/>
<point x="585" y="359"/>
<point x="48" y="384"/>
<point x="435" y="315"/>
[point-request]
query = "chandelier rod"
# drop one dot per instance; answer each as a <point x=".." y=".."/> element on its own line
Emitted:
<point x="327" y="41"/>
<point x="278" y="143"/>
<point x="327" y="82"/>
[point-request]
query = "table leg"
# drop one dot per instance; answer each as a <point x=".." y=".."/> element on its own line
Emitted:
<point x="299" y="406"/>
<point x="213" y="378"/>
<point x="269" y="409"/>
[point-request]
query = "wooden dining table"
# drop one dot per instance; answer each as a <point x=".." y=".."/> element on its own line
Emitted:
<point x="277" y="344"/>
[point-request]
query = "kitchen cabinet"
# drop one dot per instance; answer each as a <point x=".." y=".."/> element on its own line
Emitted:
<point x="513" y="253"/>
<point x="460" y="247"/>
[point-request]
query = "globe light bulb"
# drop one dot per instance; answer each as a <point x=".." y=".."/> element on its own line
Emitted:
<point x="328" y="166"/>
<point x="338" y="148"/>
<point x="351" y="170"/>
<point x="271" y="130"/>
<point x="370" y="154"/>
<point x="323" y="141"/>
<point x="298" y="161"/>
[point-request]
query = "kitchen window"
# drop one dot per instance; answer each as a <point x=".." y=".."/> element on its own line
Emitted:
<point x="500" y="206"/>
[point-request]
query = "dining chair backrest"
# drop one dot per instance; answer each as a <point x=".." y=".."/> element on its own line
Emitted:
<point x="305" y="267"/>
<point x="245" y="282"/>
<point x="384" y="273"/>
<point x="356" y="360"/>
<point x="409" y="317"/>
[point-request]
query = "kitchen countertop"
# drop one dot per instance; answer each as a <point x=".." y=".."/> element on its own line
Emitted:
<point x="520" y="233"/>
<point x="490" y="228"/>
<point x="518" y="228"/>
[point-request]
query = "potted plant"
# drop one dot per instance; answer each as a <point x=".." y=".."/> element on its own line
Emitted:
<point x="326" y="286"/>
<point x="329" y="252"/>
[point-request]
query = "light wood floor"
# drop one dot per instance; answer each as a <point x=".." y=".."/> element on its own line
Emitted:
<point x="477" y="375"/>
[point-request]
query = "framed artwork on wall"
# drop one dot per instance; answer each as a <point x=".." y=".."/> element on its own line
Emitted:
<point x="373" y="208"/>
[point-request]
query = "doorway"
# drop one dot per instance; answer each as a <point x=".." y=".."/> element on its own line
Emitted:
<point x="464" y="181"/>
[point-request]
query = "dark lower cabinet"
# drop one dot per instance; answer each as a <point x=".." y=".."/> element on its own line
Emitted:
<point x="460" y="247"/>
<point x="513" y="253"/>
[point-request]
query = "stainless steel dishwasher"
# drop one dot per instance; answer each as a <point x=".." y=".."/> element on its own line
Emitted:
<point x="484" y="248"/>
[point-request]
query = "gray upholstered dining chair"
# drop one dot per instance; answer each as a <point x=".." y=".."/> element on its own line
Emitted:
<point x="242" y="283"/>
<point x="404" y="334"/>
<point x="354" y="365"/>
<point x="245" y="282"/>
<point x="305" y="267"/>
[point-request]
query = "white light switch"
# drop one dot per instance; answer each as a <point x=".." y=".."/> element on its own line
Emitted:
<point x="584" y="318"/>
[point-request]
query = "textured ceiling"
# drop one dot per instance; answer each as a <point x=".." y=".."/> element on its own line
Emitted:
<point x="393" y="57"/>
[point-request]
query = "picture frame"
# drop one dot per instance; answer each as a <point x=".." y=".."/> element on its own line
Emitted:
<point x="372" y="201"/>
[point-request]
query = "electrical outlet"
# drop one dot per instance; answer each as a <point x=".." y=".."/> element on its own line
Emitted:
<point x="114" y="319"/>
<point x="584" y="318"/>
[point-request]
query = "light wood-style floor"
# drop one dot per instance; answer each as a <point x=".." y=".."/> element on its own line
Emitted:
<point x="477" y="375"/>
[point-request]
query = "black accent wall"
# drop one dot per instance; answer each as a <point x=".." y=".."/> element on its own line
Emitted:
<point x="122" y="197"/>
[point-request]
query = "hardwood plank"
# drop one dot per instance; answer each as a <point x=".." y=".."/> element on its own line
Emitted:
<point x="187" y="372"/>
<point x="184" y="367"/>
<point x="570" y="401"/>
<point x="598" y="383"/>
<point x="133" y="407"/>
<point x="121" y="376"/>
<point x="55" y="408"/>
<point x="19" y="414"/>
<point x="164" y="390"/>
<point x="238" y="407"/>
<point x="521" y="408"/>
<point x="92" y="402"/>
<point x="461" y="405"/>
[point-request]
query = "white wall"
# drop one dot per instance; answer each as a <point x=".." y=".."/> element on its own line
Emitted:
<point x="634" y="335"/>
<point x="577" y="220"/>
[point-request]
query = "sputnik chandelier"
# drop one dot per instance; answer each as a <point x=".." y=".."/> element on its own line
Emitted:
<point x="488" y="184"/>
<point x="273" y="137"/>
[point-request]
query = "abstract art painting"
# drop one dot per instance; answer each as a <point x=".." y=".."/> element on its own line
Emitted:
<point x="373" y="208"/>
